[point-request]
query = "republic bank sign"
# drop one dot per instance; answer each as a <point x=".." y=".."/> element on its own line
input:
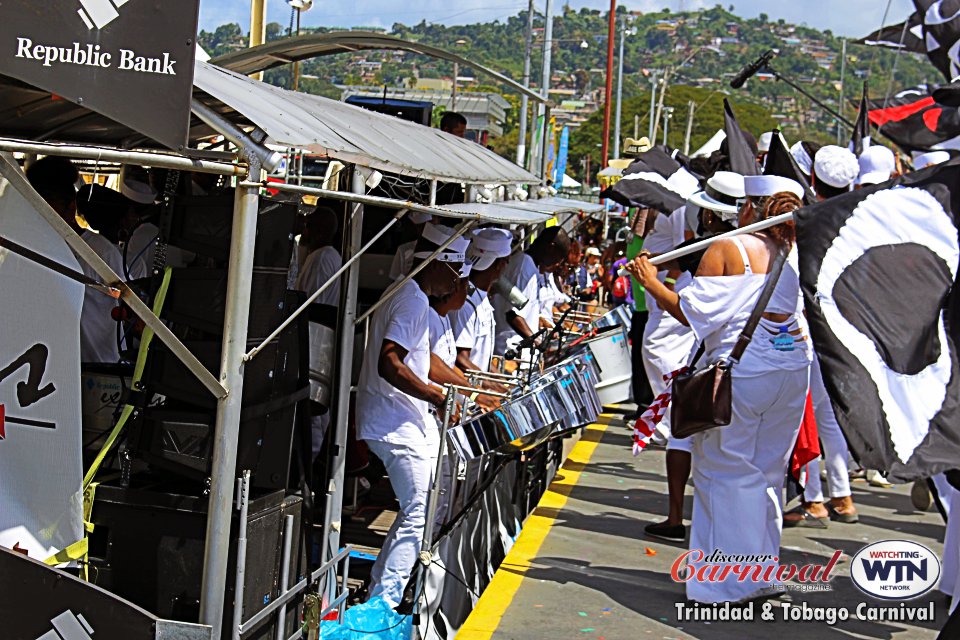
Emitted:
<point x="130" y="60"/>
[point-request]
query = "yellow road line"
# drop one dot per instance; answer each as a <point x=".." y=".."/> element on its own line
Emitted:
<point x="498" y="595"/>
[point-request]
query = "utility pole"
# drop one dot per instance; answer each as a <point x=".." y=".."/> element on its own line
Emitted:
<point x="636" y="126"/>
<point x="538" y="166"/>
<point x="691" y="107"/>
<point x="608" y="94"/>
<point x="453" y="94"/>
<point x="258" y="27"/>
<point x="843" y="73"/>
<point x="616" y="122"/>
<point x="524" y="105"/>
<point x="663" y="93"/>
<point x="667" y="115"/>
<point x="654" y="79"/>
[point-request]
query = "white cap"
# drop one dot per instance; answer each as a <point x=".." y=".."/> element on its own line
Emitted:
<point x="438" y="235"/>
<point x="720" y="194"/>
<point x="877" y="163"/>
<point x="487" y="245"/>
<point x="764" y="186"/>
<point x="138" y="191"/>
<point x="593" y="251"/>
<point x="804" y="161"/>
<point x="763" y="144"/>
<point x="924" y="160"/>
<point x="418" y="217"/>
<point x="836" y="166"/>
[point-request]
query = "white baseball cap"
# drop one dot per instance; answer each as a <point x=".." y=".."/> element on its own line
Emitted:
<point x="836" y="166"/>
<point x="487" y="245"/>
<point x="439" y="234"/>
<point x="877" y="163"/>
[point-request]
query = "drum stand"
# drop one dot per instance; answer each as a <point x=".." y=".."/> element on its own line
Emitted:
<point x="426" y="545"/>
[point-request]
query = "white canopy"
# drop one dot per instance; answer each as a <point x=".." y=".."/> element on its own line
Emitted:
<point x="568" y="182"/>
<point x="711" y="145"/>
<point x="356" y="135"/>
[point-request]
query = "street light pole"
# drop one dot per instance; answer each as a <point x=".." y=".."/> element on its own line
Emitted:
<point x="616" y="122"/>
<point x="539" y="166"/>
<point x="608" y="94"/>
<point x="654" y="79"/>
<point x="524" y="105"/>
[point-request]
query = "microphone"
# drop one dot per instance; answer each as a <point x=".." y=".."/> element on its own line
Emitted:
<point x="748" y="71"/>
<point x="511" y="293"/>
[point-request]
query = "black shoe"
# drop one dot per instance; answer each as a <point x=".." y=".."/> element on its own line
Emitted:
<point x="668" y="532"/>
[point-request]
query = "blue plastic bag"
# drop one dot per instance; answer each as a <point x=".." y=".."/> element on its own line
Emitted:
<point x="372" y="620"/>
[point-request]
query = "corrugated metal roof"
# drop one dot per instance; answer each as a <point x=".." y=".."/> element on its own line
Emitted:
<point x="554" y="205"/>
<point x="499" y="212"/>
<point x="356" y="135"/>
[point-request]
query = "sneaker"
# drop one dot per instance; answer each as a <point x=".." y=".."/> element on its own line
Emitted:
<point x="920" y="496"/>
<point x="668" y="532"/>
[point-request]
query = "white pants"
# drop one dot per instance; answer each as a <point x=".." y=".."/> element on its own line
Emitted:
<point x="950" y="576"/>
<point x="410" y="469"/>
<point x="738" y="475"/>
<point x="833" y="444"/>
<point x="666" y="347"/>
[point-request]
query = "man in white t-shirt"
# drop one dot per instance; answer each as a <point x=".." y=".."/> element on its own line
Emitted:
<point x="473" y="324"/>
<point x="322" y="261"/>
<point x="394" y="402"/>
<point x="523" y="271"/>
<point x="55" y="179"/>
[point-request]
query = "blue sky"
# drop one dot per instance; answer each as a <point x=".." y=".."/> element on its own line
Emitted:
<point x="844" y="17"/>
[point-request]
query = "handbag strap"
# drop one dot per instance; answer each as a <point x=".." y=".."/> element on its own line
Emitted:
<point x="747" y="334"/>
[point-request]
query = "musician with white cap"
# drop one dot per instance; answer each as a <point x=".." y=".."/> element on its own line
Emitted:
<point x="740" y="468"/>
<point x="473" y="324"/>
<point x="523" y="271"/>
<point x="395" y="398"/>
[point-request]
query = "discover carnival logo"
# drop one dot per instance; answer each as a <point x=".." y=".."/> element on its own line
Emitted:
<point x="895" y="569"/>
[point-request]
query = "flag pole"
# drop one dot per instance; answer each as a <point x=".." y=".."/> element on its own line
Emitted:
<point x="706" y="242"/>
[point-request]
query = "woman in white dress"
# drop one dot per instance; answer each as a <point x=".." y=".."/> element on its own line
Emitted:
<point x="739" y="469"/>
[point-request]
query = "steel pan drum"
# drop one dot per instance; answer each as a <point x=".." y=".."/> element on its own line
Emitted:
<point x="611" y="353"/>
<point x="621" y="315"/>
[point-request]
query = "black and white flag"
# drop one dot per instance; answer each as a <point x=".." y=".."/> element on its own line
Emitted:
<point x="654" y="180"/>
<point x="906" y="36"/>
<point x="780" y="162"/>
<point x="941" y="34"/>
<point x="879" y="268"/>
<point x="743" y="155"/>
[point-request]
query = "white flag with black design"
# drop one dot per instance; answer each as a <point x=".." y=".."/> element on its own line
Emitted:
<point x="879" y="271"/>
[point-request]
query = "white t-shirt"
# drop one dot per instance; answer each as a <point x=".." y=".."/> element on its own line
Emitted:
<point x="522" y="272"/>
<point x="403" y="260"/>
<point x="667" y="235"/>
<point x="98" y="329"/>
<point x="550" y="296"/>
<point x="384" y="412"/>
<point x="442" y="343"/>
<point x="317" y="269"/>
<point x="474" y="328"/>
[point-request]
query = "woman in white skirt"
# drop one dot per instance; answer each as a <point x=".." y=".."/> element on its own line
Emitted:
<point x="739" y="469"/>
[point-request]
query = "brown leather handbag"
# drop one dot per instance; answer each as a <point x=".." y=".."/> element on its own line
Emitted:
<point x="702" y="398"/>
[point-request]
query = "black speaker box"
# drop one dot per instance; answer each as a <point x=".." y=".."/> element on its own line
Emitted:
<point x="203" y="224"/>
<point x="147" y="547"/>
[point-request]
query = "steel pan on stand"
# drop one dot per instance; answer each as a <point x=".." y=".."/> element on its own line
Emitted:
<point x="619" y="315"/>
<point x="611" y="352"/>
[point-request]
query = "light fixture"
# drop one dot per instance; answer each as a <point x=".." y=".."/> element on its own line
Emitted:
<point x="584" y="44"/>
<point x="300" y="5"/>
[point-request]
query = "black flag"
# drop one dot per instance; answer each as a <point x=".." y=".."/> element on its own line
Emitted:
<point x="907" y="36"/>
<point x="941" y="34"/>
<point x="915" y="121"/>
<point x="743" y="159"/>
<point x="878" y="267"/>
<point x="653" y="180"/>
<point x="860" y="139"/>
<point x="780" y="162"/>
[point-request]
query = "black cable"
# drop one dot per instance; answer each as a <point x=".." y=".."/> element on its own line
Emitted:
<point x="381" y="630"/>
<point x="457" y="578"/>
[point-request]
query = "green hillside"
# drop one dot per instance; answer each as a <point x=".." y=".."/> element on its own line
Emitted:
<point x="714" y="43"/>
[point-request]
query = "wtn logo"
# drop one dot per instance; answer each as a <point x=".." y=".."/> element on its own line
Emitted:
<point x="895" y="569"/>
<point x="903" y="570"/>
<point x="99" y="13"/>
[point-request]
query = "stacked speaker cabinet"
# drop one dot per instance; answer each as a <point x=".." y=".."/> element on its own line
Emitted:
<point x="177" y="436"/>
